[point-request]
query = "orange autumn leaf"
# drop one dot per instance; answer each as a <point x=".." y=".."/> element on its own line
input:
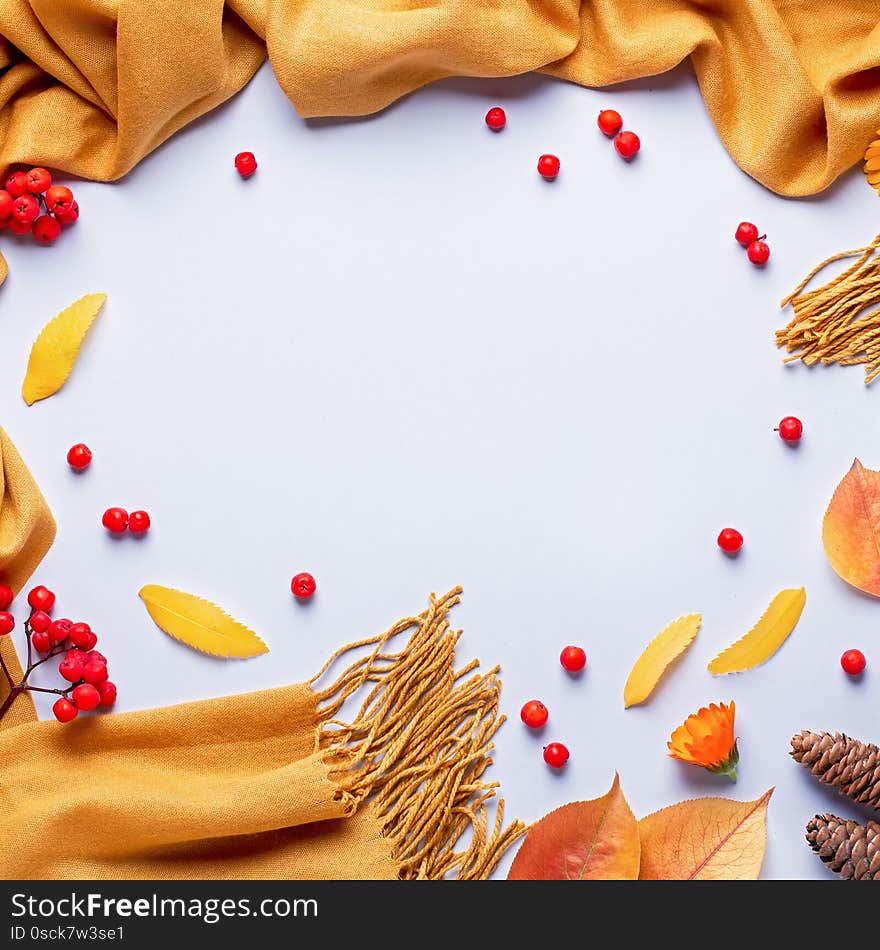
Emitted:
<point x="706" y="839"/>
<point x="851" y="529"/>
<point x="582" y="841"/>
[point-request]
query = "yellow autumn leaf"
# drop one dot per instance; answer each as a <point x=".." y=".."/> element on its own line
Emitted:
<point x="872" y="163"/>
<point x="4" y="268"/>
<point x="766" y="637"/>
<point x="706" y="839"/>
<point x="200" y="624"/>
<point x="667" y="646"/>
<point x="54" y="351"/>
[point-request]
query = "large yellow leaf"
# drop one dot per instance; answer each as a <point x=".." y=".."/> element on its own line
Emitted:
<point x="582" y="841"/>
<point x="656" y="657"/>
<point x="872" y="163"/>
<point x="851" y="529"/>
<point x="54" y="351"/>
<point x="199" y="623"/>
<point x="707" y="839"/>
<point x="766" y="637"/>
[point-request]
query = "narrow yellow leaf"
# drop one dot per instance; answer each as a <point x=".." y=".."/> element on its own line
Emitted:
<point x="766" y="637"/>
<point x="656" y="657"/>
<point x="200" y="624"/>
<point x="54" y="351"/>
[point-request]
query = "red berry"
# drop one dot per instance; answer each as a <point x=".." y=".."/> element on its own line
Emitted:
<point x="853" y="662"/>
<point x="46" y="229"/>
<point x="94" y="655"/>
<point x="115" y="520"/>
<point x="41" y="598"/>
<point x="89" y="641"/>
<point x="534" y="714"/>
<point x="303" y="586"/>
<point x="6" y="597"/>
<point x="245" y="164"/>
<point x="6" y="201"/>
<point x="25" y="209"/>
<point x="59" y="198"/>
<point x="790" y="429"/>
<point x="138" y="522"/>
<point x="556" y="755"/>
<point x="573" y="659"/>
<point x="94" y="671"/>
<point x="68" y="216"/>
<point x="4" y="222"/>
<point x="71" y="667"/>
<point x="7" y="623"/>
<point x="59" y="630"/>
<point x="86" y="697"/>
<point x="610" y="121"/>
<point x="41" y="641"/>
<point x="730" y="540"/>
<point x="758" y="253"/>
<point x="17" y="184"/>
<point x="496" y="119"/>
<point x="65" y="710"/>
<point x="627" y="144"/>
<point x="79" y="456"/>
<point x="40" y="621"/>
<point x="80" y="634"/>
<point x="20" y="227"/>
<point x="548" y="167"/>
<point x="746" y="233"/>
<point x="38" y="180"/>
<point x="107" y="692"/>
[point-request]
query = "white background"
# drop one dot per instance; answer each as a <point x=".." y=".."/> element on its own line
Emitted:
<point x="400" y="360"/>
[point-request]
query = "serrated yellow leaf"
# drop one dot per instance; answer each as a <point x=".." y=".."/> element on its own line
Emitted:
<point x="766" y="637"/>
<point x="200" y="624"/>
<point x="656" y="657"/>
<point x="54" y="351"/>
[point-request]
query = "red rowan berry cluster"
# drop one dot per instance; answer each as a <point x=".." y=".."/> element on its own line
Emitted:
<point x="81" y="665"/>
<point x="30" y="203"/>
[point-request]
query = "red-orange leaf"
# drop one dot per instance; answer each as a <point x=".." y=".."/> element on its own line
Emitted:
<point x="851" y="529"/>
<point x="582" y="841"/>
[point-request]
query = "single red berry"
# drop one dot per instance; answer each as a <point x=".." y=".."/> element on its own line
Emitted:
<point x="79" y="456"/>
<point x="730" y="540"/>
<point x="627" y="144"/>
<point x="6" y="201"/>
<point x="548" y="167"/>
<point x="64" y="710"/>
<point x="534" y="714"/>
<point x="86" y="697"/>
<point x="138" y="522"/>
<point x="17" y="184"/>
<point x="38" y="180"/>
<point x="6" y="597"/>
<point x="115" y="520"/>
<point x="610" y="122"/>
<point x="40" y="621"/>
<point x="80" y="634"/>
<point x="573" y="659"/>
<point x="25" y="209"/>
<point x="853" y="662"/>
<point x="790" y="429"/>
<point x="46" y="229"/>
<point x="303" y="586"/>
<point x="746" y="232"/>
<point x="94" y="655"/>
<point x="94" y="671"/>
<point x="5" y="222"/>
<point x="41" y="598"/>
<point x="59" y="198"/>
<point x="59" y="630"/>
<point x="245" y="164"/>
<point x="89" y="641"/>
<point x="556" y="755"/>
<point x="69" y="216"/>
<point x="71" y="667"/>
<point x="7" y="623"/>
<point x="758" y="252"/>
<point x="41" y="641"/>
<point x="20" y="227"/>
<point x="496" y="119"/>
<point x="107" y="692"/>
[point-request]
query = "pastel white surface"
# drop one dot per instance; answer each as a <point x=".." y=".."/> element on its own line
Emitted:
<point x="400" y="360"/>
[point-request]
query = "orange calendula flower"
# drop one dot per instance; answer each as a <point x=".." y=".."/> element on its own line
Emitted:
<point x="872" y="164"/>
<point x="706" y="738"/>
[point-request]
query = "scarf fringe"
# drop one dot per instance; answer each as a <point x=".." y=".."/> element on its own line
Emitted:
<point x="418" y="747"/>
<point x="840" y="321"/>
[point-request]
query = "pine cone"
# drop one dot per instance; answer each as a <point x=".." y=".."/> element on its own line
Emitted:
<point x="850" y="849"/>
<point x="847" y="764"/>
